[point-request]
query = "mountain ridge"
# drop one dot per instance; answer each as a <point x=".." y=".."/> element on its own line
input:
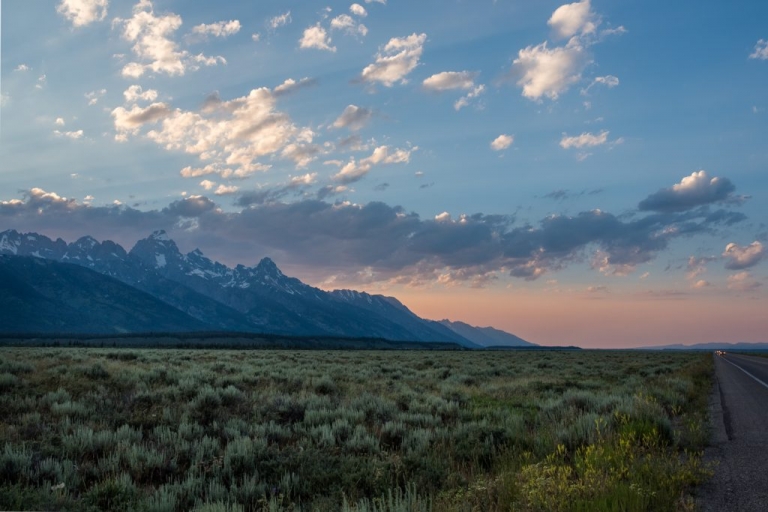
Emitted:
<point x="241" y="298"/>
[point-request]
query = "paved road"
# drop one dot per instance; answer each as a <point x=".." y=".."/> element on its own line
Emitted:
<point x="739" y="408"/>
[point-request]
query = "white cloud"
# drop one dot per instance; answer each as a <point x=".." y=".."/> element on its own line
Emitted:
<point x="501" y="142"/>
<point x="153" y="44"/>
<point x="346" y="23"/>
<point x="353" y="117"/>
<point x="41" y="81"/>
<point x="207" y="184"/>
<point x="761" y="50"/>
<point x="584" y="140"/>
<point x="256" y="37"/>
<point x="382" y="155"/>
<point x="218" y="29"/>
<point x="443" y="217"/>
<point x="448" y="80"/>
<point x="396" y="60"/>
<point x="304" y="180"/>
<point x="59" y="121"/>
<point x="382" y="2"/>
<point x="280" y="20"/>
<point x="22" y="67"/>
<point x="571" y="19"/>
<point x="358" y="10"/>
<point x="316" y="37"/>
<point x="743" y="257"/>
<point x="83" y="12"/>
<point x="549" y="72"/>
<point x="135" y="93"/>
<point x="93" y="97"/>
<point x="464" y="100"/>
<point x="229" y="136"/>
<point x="224" y="190"/>
<point x="291" y="85"/>
<point x="609" y="81"/>
<point x="74" y="135"/>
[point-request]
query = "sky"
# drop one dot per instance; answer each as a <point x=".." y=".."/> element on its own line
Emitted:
<point x="591" y="173"/>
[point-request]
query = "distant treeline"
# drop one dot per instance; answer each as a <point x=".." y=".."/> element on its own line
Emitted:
<point x="225" y="340"/>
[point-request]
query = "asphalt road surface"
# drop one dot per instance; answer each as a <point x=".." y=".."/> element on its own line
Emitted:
<point x="739" y="412"/>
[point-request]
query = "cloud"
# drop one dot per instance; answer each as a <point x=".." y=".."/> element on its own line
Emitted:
<point x="501" y="142"/>
<point x="609" y="81"/>
<point x="22" y="68"/>
<point x="448" y="80"/>
<point x="218" y="29"/>
<point x="353" y="118"/>
<point x="385" y="241"/>
<point x="573" y="19"/>
<point x="256" y="37"/>
<point x="740" y="257"/>
<point x="207" y="184"/>
<point x="290" y="85"/>
<point x="73" y="135"/>
<point x="302" y="181"/>
<point x="135" y="93"/>
<point x="153" y="45"/>
<point x="743" y="282"/>
<point x="382" y="2"/>
<point x="584" y="140"/>
<point x="694" y="190"/>
<point x="358" y="10"/>
<point x="280" y="20"/>
<point x="93" y="97"/>
<point x="231" y="137"/>
<point x="59" y="121"/>
<point x="465" y="100"/>
<point x="382" y="155"/>
<point x="346" y="23"/>
<point x="316" y="37"/>
<point x="761" y="50"/>
<point x="549" y="72"/>
<point x="224" y="190"/>
<point x="395" y="60"/>
<point x="83" y="12"/>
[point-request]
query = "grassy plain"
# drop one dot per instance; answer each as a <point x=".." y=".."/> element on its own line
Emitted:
<point x="231" y="430"/>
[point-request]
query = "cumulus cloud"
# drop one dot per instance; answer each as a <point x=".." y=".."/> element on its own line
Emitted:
<point x="395" y="60"/>
<point x="218" y="29"/>
<point x="544" y="71"/>
<point x="280" y="20"/>
<point x="358" y="10"/>
<point x="740" y="257"/>
<point x="224" y="190"/>
<point x="448" y="80"/>
<point x="573" y="19"/>
<point x="353" y="118"/>
<point x="59" y="121"/>
<point x="694" y="190"/>
<point x="382" y="155"/>
<point x="135" y="93"/>
<point x="153" y="45"/>
<point x="584" y="140"/>
<point x="22" y="67"/>
<point x="761" y="50"/>
<point x="207" y="184"/>
<point x="229" y="136"/>
<point x="348" y="24"/>
<point x="502" y="142"/>
<point x="83" y="12"/>
<point x="316" y="37"/>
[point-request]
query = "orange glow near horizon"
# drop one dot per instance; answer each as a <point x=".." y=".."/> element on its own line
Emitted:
<point x="614" y="322"/>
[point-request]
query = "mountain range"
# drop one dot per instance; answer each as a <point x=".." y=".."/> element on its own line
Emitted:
<point x="99" y="287"/>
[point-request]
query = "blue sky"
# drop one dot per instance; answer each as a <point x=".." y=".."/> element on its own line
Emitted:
<point x="444" y="152"/>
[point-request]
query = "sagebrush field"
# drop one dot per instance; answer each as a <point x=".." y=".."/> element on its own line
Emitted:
<point x="177" y="430"/>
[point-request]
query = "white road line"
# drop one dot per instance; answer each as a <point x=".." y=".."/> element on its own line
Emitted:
<point x="745" y="371"/>
<point x="752" y="359"/>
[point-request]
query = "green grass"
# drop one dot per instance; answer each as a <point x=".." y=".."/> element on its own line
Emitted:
<point x="177" y="430"/>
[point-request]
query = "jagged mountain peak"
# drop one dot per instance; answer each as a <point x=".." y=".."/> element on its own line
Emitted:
<point x="267" y="266"/>
<point x="86" y="242"/>
<point x="160" y="235"/>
